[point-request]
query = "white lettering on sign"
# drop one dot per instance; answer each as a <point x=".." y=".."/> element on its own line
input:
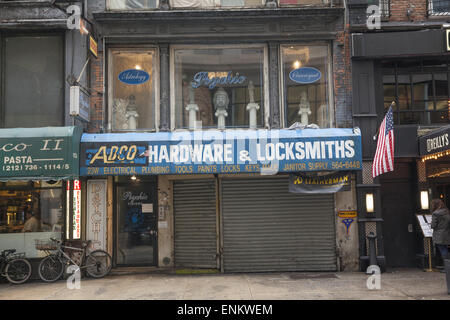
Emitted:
<point x="11" y="147"/>
<point x="17" y="160"/>
<point x="134" y="199"/>
<point x="51" y="144"/>
<point x="438" y="142"/>
<point x="220" y="153"/>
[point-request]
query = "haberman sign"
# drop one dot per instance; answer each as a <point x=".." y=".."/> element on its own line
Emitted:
<point x="230" y="151"/>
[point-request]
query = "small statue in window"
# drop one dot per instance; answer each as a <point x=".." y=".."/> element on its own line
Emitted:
<point x="304" y="108"/>
<point x="132" y="113"/>
<point x="221" y="101"/>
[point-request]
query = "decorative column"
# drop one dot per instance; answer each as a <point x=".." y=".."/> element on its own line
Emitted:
<point x="274" y="92"/>
<point x="192" y="108"/>
<point x="252" y="107"/>
<point x="164" y="88"/>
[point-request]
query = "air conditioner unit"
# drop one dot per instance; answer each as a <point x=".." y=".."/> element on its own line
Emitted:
<point x="51" y="184"/>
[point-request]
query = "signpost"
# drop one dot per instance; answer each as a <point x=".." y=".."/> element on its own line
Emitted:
<point x="425" y="226"/>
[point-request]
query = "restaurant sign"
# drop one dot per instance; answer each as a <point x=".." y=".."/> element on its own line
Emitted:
<point x="436" y="141"/>
<point x="230" y="151"/>
<point x="39" y="153"/>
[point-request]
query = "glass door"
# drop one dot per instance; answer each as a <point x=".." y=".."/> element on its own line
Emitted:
<point x="137" y="224"/>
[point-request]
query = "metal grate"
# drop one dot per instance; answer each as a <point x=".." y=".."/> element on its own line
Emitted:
<point x="367" y="172"/>
<point x="438" y="7"/>
<point x="421" y="171"/>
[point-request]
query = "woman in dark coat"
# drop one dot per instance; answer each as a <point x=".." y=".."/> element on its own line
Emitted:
<point x="440" y="224"/>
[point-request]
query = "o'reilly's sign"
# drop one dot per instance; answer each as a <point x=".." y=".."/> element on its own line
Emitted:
<point x="436" y="141"/>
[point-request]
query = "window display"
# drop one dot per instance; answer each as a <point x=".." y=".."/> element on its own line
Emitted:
<point x="27" y="207"/>
<point x="132" y="96"/>
<point x="305" y="85"/>
<point x="219" y="87"/>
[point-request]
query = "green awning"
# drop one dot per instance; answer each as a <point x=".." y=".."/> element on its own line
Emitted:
<point x="49" y="153"/>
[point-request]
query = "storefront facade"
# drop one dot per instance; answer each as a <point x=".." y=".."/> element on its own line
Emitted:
<point x="415" y="76"/>
<point x="37" y="165"/>
<point x="178" y="73"/>
<point x="220" y="199"/>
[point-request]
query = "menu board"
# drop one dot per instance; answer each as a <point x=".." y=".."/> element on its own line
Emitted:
<point x="425" y="225"/>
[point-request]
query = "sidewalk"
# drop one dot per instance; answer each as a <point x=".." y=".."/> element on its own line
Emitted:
<point x="405" y="284"/>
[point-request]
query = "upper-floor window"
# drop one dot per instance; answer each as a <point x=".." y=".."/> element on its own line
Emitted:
<point x="216" y="3"/>
<point x="438" y="7"/>
<point x="420" y="89"/>
<point x="305" y="86"/>
<point x="32" y="69"/>
<point x="131" y="4"/>
<point x="218" y="86"/>
<point x="133" y="89"/>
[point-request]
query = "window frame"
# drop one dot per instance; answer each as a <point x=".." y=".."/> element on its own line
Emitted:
<point x="3" y="37"/>
<point x="431" y="13"/>
<point x="218" y="7"/>
<point x="107" y="6"/>
<point x="330" y="85"/>
<point x="410" y="72"/>
<point x="265" y="70"/>
<point x="110" y="84"/>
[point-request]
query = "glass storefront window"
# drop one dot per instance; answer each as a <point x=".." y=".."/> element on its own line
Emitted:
<point x="34" y="81"/>
<point x="132" y="87"/>
<point x="216" y="3"/>
<point x="223" y="87"/>
<point x="29" y="211"/>
<point x="131" y="4"/>
<point x="305" y="85"/>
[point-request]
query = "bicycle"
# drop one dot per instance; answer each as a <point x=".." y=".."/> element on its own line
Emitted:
<point x="14" y="266"/>
<point x="97" y="263"/>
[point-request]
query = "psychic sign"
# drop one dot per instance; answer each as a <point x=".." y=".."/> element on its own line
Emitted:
<point x="229" y="151"/>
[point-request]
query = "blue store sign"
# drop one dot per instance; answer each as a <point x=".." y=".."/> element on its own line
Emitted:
<point x="305" y="75"/>
<point x="134" y="76"/>
<point x="230" y="151"/>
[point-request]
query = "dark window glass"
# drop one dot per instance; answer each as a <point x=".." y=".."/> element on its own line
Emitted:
<point x="420" y="89"/>
<point x="34" y="86"/>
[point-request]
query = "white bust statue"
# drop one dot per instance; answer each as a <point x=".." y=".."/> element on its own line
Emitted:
<point x="221" y="101"/>
<point x="304" y="108"/>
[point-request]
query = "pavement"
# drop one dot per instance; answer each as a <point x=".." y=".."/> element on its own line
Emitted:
<point x="405" y="284"/>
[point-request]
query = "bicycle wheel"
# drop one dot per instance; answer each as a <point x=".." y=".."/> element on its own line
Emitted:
<point x="98" y="264"/>
<point x="18" y="271"/>
<point x="50" y="269"/>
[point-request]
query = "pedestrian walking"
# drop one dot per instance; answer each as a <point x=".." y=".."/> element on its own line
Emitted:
<point x="440" y="224"/>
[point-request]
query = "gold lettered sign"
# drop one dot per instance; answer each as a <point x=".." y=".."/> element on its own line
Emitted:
<point x="328" y="183"/>
<point x="347" y="213"/>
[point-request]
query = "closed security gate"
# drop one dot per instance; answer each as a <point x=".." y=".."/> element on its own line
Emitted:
<point x="266" y="228"/>
<point x="195" y="223"/>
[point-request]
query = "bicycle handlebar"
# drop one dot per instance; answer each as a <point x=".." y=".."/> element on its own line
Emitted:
<point x="55" y="240"/>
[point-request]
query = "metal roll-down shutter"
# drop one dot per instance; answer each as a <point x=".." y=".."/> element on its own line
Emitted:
<point x="195" y="223"/>
<point x="266" y="228"/>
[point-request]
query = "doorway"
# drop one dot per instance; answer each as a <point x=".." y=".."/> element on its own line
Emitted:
<point x="136" y="222"/>
<point x="398" y="211"/>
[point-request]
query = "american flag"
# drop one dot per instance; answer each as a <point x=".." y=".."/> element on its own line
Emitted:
<point x="384" y="156"/>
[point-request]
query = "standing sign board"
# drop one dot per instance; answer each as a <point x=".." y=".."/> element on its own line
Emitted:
<point x="425" y="225"/>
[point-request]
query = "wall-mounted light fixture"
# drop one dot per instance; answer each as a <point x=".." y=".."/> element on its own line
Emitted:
<point x="424" y="200"/>
<point x="369" y="202"/>
<point x="133" y="177"/>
